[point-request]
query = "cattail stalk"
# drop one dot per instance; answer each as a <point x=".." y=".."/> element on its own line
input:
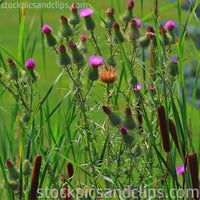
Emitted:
<point x="35" y="177"/>
<point x="172" y="129"/>
<point x="193" y="166"/>
<point x="163" y="128"/>
<point x="70" y="170"/>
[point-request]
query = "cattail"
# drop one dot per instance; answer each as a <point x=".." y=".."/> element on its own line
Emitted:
<point x="172" y="130"/>
<point x="193" y="166"/>
<point x="70" y="170"/>
<point x="163" y="128"/>
<point x="35" y="177"/>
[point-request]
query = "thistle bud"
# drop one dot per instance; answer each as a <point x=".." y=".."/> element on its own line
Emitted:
<point x="74" y="18"/>
<point x="111" y="62"/>
<point x="129" y="122"/>
<point x="165" y="35"/>
<point x="82" y="44"/>
<point x="143" y="42"/>
<point x="25" y="117"/>
<point x="13" y="74"/>
<point x="13" y="173"/>
<point x="127" y="138"/>
<point x="163" y="128"/>
<point x="66" y="30"/>
<point x="117" y="33"/>
<point x="133" y="31"/>
<point x="26" y="168"/>
<point x="63" y="57"/>
<point x="173" y="67"/>
<point x="137" y="150"/>
<point x="110" y="19"/>
<point x="114" y="118"/>
<point x="128" y="15"/>
<point x="77" y="57"/>
<point x="13" y="185"/>
<point x="47" y="30"/>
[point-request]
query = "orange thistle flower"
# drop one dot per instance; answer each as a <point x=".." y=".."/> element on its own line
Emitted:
<point x="108" y="76"/>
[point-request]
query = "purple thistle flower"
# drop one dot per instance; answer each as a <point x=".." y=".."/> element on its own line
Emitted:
<point x="96" y="61"/>
<point x="137" y="87"/>
<point x="30" y="64"/>
<point x="180" y="169"/>
<point x="123" y="130"/>
<point x="170" y="25"/>
<point x="46" y="29"/>
<point x="175" y="60"/>
<point x="138" y="22"/>
<point x="86" y="12"/>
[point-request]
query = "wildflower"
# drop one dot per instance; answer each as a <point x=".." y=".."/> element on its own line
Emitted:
<point x="108" y="76"/>
<point x="165" y="35"/>
<point x="110" y="19"/>
<point x="66" y="30"/>
<point x="77" y="57"/>
<point x="117" y="34"/>
<point x="35" y="177"/>
<point x="70" y="170"/>
<point x="163" y="128"/>
<point x="114" y="118"/>
<point x="133" y="30"/>
<point x="173" y="133"/>
<point x="180" y="169"/>
<point x="89" y="23"/>
<point x="13" y="74"/>
<point x="173" y="66"/>
<point x="129" y="121"/>
<point x="95" y="62"/>
<point x="13" y="173"/>
<point x="74" y="18"/>
<point x="170" y="25"/>
<point x="127" y="139"/>
<point x="63" y="57"/>
<point x="194" y="170"/>
<point x="138" y="22"/>
<point x="128" y="15"/>
<point x="26" y="168"/>
<point x="47" y="30"/>
<point x="30" y="64"/>
<point x="138" y="87"/>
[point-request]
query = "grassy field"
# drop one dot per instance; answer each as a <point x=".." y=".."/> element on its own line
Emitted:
<point x="57" y="125"/>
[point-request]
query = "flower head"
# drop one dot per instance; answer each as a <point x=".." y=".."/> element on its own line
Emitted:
<point x="123" y="130"/>
<point x="74" y="7"/>
<point x="170" y="25"/>
<point x="71" y="45"/>
<point x="138" y="22"/>
<point x="86" y="12"/>
<point x="162" y="29"/>
<point x="180" y="169"/>
<point x="63" y="19"/>
<point x="130" y="4"/>
<point x="83" y="37"/>
<point x="61" y="48"/>
<point x="106" y="110"/>
<point x="46" y="29"/>
<point x="30" y="63"/>
<point x="175" y="60"/>
<point x="11" y="62"/>
<point x="108" y="76"/>
<point x="110" y="11"/>
<point x="9" y="163"/>
<point x="116" y="26"/>
<point x="137" y="87"/>
<point x="96" y="61"/>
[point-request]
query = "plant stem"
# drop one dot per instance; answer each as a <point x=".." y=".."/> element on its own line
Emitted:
<point x="96" y="44"/>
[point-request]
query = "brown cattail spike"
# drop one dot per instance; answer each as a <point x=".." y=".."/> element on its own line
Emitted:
<point x="193" y="166"/>
<point x="163" y="127"/>
<point x="70" y="170"/>
<point x="172" y="130"/>
<point x="35" y="177"/>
